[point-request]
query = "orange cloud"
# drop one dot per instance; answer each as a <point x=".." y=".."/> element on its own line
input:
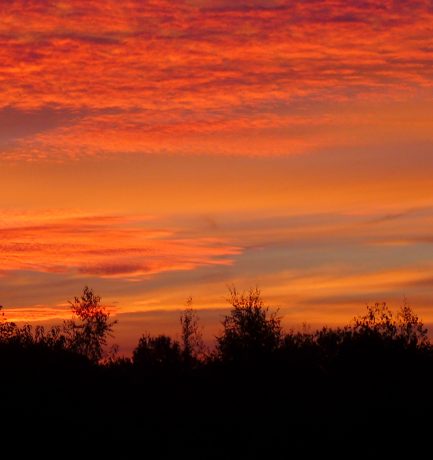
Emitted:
<point x="107" y="247"/>
<point x="37" y="313"/>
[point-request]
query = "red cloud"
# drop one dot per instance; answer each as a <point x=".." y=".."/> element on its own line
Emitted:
<point x="104" y="247"/>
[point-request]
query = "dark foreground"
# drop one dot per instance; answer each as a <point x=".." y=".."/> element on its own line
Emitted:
<point x="362" y="391"/>
<point x="262" y="410"/>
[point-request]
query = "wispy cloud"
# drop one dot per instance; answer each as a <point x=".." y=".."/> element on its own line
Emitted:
<point x="106" y="246"/>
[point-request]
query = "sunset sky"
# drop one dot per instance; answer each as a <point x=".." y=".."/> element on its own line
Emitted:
<point x="158" y="149"/>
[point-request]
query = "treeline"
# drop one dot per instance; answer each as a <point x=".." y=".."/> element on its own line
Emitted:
<point x="252" y="335"/>
<point x="261" y="392"/>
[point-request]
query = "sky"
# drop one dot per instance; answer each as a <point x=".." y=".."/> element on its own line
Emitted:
<point x="156" y="150"/>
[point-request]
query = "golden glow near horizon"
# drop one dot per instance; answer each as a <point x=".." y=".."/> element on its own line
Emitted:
<point x="156" y="150"/>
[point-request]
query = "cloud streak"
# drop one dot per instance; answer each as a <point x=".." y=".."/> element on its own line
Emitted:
<point x="320" y="268"/>
<point x="106" y="247"/>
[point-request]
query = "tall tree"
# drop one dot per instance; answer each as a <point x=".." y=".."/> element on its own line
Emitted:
<point x="88" y="331"/>
<point x="191" y="335"/>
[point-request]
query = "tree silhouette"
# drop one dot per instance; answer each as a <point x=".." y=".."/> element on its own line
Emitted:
<point x="159" y="353"/>
<point x="88" y="332"/>
<point x="191" y="335"/>
<point x="7" y="329"/>
<point x="250" y="330"/>
<point x="379" y="321"/>
<point x="411" y="329"/>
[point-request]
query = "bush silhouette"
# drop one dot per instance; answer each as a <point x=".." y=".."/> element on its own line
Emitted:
<point x="250" y="331"/>
<point x="156" y="354"/>
<point x="406" y="328"/>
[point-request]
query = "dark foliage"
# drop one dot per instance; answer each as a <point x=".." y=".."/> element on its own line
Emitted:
<point x="250" y="331"/>
<point x="87" y="333"/>
<point x="363" y="390"/>
<point x="157" y="354"/>
<point x="193" y="348"/>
